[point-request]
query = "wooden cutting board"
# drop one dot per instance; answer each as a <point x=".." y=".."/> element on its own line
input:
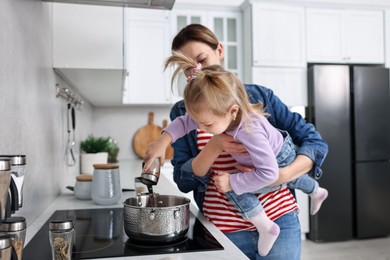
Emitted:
<point x="146" y="135"/>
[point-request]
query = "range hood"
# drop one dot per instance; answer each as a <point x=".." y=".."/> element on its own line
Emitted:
<point x="150" y="4"/>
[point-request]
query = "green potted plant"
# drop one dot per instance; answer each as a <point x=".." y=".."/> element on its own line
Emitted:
<point x="94" y="150"/>
<point x="113" y="151"/>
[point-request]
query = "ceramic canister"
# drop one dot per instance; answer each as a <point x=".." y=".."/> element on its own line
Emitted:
<point x="106" y="187"/>
<point x="83" y="187"/>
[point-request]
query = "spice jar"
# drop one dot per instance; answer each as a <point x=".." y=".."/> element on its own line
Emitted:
<point x="5" y="246"/>
<point x="61" y="234"/>
<point x="106" y="186"/>
<point x="5" y="179"/>
<point x="82" y="188"/>
<point x="16" y="228"/>
<point x="18" y="170"/>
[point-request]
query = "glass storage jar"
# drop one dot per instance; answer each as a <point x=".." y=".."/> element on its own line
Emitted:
<point x="5" y="246"/>
<point x="16" y="228"/>
<point x="61" y="233"/>
<point x="5" y="179"/>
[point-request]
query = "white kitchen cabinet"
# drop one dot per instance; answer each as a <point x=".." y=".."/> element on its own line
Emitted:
<point x="227" y="26"/>
<point x="275" y="34"/>
<point x="87" y="36"/>
<point x="225" y="23"/>
<point x="274" y="49"/>
<point x="148" y="46"/>
<point x="387" y="37"/>
<point x="88" y="50"/>
<point x="345" y="36"/>
<point x="183" y="17"/>
<point x="289" y="84"/>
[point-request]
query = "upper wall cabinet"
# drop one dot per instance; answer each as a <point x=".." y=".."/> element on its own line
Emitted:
<point x="274" y="46"/>
<point x="226" y="24"/>
<point x="149" y="45"/>
<point x="276" y="33"/>
<point x="345" y="36"/>
<point x="289" y="84"/>
<point x="387" y="37"/>
<point x="88" y="50"/>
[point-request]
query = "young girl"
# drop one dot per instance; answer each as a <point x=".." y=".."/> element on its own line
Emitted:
<point x="216" y="102"/>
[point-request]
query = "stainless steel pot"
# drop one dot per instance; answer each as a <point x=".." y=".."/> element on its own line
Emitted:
<point x="154" y="218"/>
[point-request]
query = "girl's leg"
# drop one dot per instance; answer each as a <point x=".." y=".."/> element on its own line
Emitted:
<point x="287" y="246"/>
<point x="251" y="209"/>
<point x="309" y="186"/>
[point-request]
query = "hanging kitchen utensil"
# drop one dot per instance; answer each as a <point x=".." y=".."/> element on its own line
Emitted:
<point x="73" y="142"/>
<point x="146" y="135"/>
<point x="70" y="158"/>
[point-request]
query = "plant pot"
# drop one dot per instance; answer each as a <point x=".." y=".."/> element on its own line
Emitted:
<point x="89" y="159"/>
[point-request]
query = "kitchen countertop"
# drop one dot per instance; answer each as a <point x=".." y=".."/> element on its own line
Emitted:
<point x="129" y="170"/>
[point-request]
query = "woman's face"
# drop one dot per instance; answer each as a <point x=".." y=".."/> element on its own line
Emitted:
<point x="202" y="53"/>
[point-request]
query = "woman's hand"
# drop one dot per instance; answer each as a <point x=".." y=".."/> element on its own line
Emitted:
<point x="228" y="144"/>
<point x="157" y="149"/>
<point x="222" y="181"/>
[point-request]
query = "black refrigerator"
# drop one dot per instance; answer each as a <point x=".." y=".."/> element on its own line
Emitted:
<point x="350" y="107"/>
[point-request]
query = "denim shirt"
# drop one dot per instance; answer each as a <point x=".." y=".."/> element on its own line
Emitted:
<point x="304" y="136"/>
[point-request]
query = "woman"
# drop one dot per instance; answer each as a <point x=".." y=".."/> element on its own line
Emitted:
<point x="199" y="152"/>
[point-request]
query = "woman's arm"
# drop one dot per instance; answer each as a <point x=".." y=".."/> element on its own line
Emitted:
<point x="312" y="148"/>
<point x="300" y="166"/>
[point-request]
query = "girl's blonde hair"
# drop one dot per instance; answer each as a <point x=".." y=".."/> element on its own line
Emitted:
<point x="211" y="88"/>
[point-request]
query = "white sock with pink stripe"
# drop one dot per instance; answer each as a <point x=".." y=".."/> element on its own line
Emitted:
<point x="268" y="232"/>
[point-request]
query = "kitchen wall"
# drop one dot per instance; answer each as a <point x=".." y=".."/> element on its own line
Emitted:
<point x="32" y="118"/>
<point x="121" y="123"/>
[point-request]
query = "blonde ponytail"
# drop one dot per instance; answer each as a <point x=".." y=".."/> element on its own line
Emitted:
<point x="211" y="87"/>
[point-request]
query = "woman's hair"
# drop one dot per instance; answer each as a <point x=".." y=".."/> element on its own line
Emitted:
<point x="195" y="32"/>
<point x="211" y="88"/>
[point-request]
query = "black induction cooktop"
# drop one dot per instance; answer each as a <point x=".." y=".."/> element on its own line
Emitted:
<point x="99" y="233"/>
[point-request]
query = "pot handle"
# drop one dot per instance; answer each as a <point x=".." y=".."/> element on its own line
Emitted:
<point x="176" y="213"/>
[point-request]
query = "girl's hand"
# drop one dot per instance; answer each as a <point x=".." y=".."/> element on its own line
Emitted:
<point x="157" y="149"/>
<point x="222" y="181"/>
<point x="228" y="144"/>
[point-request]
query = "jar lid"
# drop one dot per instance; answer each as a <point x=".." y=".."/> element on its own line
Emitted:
<point x="13" y="224"/>
<point x="61" y="224"/>
<point x="5" y="240"/>
<point x="5" y="164"/>
<point x="105" y="166"/>
<point x="16" y="159"/>
<point x="84" y="178"/>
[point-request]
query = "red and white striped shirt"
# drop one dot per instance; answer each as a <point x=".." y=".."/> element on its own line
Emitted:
<point x="219" y="210"/>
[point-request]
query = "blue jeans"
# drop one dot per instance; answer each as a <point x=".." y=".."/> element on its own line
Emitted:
<point x="286" y="247"/>
<point x="248" y="204"/>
